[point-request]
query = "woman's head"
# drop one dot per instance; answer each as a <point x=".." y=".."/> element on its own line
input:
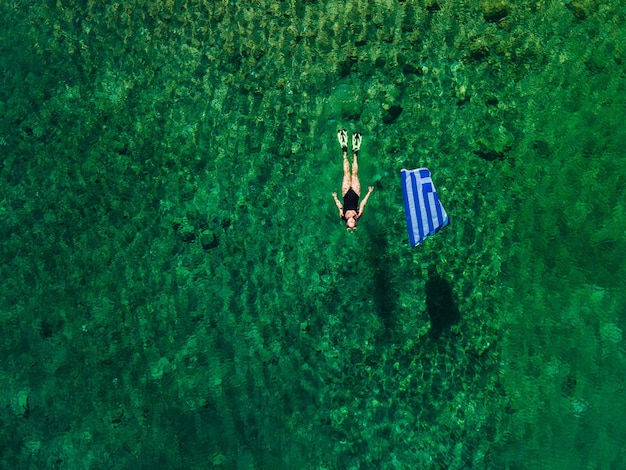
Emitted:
<point x="351" y="223"/>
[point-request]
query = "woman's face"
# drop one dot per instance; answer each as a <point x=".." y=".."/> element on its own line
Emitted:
<point x="351" y="222"/>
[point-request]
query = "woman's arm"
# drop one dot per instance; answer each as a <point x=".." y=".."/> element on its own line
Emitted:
<point x="364" y="201"/>
<point x="338" y="204"/>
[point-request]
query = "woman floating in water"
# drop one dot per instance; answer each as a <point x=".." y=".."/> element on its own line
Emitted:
<point x="351" y="211"/>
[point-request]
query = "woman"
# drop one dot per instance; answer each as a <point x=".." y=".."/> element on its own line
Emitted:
<point x="351" y="211"/>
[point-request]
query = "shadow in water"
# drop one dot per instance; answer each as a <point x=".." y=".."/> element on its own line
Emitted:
<point x="384" y="295"/>
<point x="440" y="304"/>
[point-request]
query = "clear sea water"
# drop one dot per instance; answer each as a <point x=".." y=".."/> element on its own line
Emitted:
<point x="178" y="291"/>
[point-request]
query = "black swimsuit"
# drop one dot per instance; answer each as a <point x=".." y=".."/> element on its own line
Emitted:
<point x="350" y="202"/>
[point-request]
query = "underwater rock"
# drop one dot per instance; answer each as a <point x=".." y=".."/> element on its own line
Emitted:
<point x="493" y="11"/>
<point x="581" y="8"/>
<point x="208" y="240"/>
<point x="432" y="5"/>
<point x="541" y="148"/>
<point x="391" y="114"/>
<point x="21" y="404"/>
<point x="494" y="145"/>
<point x="184" y="230"/>
<point x="489" y="155"/>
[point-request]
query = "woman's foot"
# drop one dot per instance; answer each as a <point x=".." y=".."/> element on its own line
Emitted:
<point x="356" y="141"/>
<point x="342" y="135"/>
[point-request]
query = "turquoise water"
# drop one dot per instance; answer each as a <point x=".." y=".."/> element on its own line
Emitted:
<point x="178" y="291"/>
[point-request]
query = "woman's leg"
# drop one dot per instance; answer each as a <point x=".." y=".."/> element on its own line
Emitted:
<point x="355" y="183"/>
<point x="356" y="145"/>
<point x="347" y="179"/>
<point x="342" y="135"/>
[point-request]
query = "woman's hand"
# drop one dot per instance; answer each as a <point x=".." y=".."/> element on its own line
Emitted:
<point x="335" y="194"/>
<point x="370" y="189"/>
